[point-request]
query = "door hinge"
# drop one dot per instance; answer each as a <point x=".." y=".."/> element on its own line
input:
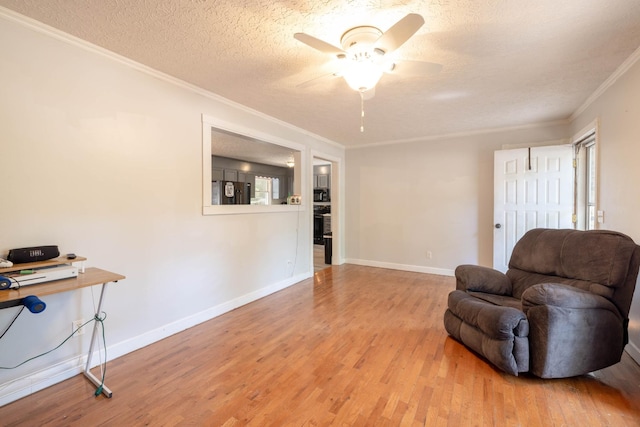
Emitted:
<point x="575" y="163"/>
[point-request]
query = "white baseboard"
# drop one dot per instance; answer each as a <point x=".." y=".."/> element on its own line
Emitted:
<point x="403" y="267"/>
<point x="24" y="386"/>
<point x="39" y="380"/>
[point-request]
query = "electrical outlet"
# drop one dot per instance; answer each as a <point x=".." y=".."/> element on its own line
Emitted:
<point x="429" y="255"/>
<point x="295" y="200"/>
<point x="75" y="325"/>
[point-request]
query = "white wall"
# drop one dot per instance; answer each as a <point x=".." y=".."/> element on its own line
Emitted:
<point x="618" y="113"/>
<point x="405" y="200"/>
<point x="104" y="159"/>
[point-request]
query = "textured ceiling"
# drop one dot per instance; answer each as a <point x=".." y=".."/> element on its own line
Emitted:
<point x="506" y="62"/>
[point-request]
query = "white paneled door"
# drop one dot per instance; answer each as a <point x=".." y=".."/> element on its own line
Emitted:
<point x="533" y="187"/>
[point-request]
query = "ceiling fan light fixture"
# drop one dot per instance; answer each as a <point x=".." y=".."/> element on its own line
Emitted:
<point x="362" y="75"/>
<point x="366" y="53"/>
<point x="362" y="72"/>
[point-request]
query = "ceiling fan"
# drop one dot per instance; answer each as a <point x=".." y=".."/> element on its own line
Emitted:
<point x="366" y="54"/>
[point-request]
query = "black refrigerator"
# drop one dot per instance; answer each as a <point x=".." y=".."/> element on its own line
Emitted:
<point x="230" y="193"/>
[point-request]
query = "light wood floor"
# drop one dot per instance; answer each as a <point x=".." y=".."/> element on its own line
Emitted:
<point x="355" y="346"/>
<point x="318" y="258"/>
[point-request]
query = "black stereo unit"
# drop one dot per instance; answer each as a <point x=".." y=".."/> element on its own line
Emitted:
<point x="34" y="254"/>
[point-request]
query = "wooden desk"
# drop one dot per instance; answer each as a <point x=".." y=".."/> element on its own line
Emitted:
<point x="87" y="277"/>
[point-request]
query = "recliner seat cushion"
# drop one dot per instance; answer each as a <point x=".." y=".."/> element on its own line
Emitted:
<point x="502" y="300"/>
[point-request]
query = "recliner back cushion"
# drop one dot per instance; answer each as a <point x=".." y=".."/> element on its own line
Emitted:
<point x="598" y="256"/>
<point x="523" y="280"/>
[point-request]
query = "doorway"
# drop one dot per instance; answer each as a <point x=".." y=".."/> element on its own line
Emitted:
<point x="322" y="214"/>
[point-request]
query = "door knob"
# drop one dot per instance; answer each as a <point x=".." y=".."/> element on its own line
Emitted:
<point x="498" y="225"/>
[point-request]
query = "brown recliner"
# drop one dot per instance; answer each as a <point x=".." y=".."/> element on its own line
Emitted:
<point x="560" y="310"/>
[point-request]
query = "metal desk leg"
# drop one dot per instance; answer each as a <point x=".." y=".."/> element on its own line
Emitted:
<point x="94" y="336"/>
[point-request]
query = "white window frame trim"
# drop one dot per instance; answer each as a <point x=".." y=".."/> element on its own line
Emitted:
<point x="591" y="128"/>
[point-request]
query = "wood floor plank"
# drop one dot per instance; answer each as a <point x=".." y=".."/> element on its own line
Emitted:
<point x="354" y="346"/>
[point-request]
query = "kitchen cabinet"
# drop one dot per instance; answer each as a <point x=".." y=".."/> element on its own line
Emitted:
<point x="230" y="175"/>
<point x="322" y="176"/>
<point x="217" y="174"/>
<point x="324" y="181"/>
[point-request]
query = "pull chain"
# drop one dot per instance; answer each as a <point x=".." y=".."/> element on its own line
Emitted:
<point x="361" y="111"/>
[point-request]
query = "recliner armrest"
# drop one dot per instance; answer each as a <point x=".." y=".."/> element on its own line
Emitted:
<point x="482" y="279"/>
<point x="571" y="331"/>
<point x="565" y="296"/>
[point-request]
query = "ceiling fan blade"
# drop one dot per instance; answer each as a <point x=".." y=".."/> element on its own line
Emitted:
<point x="318" y="44"/>
<point x="399" y="33"/>
<point x="416" y="68"/>
<point x="317" y="80"/>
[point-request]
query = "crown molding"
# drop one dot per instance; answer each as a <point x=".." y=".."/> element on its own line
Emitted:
<point x="462" y="134"/>
<point x="613" y="78"/>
